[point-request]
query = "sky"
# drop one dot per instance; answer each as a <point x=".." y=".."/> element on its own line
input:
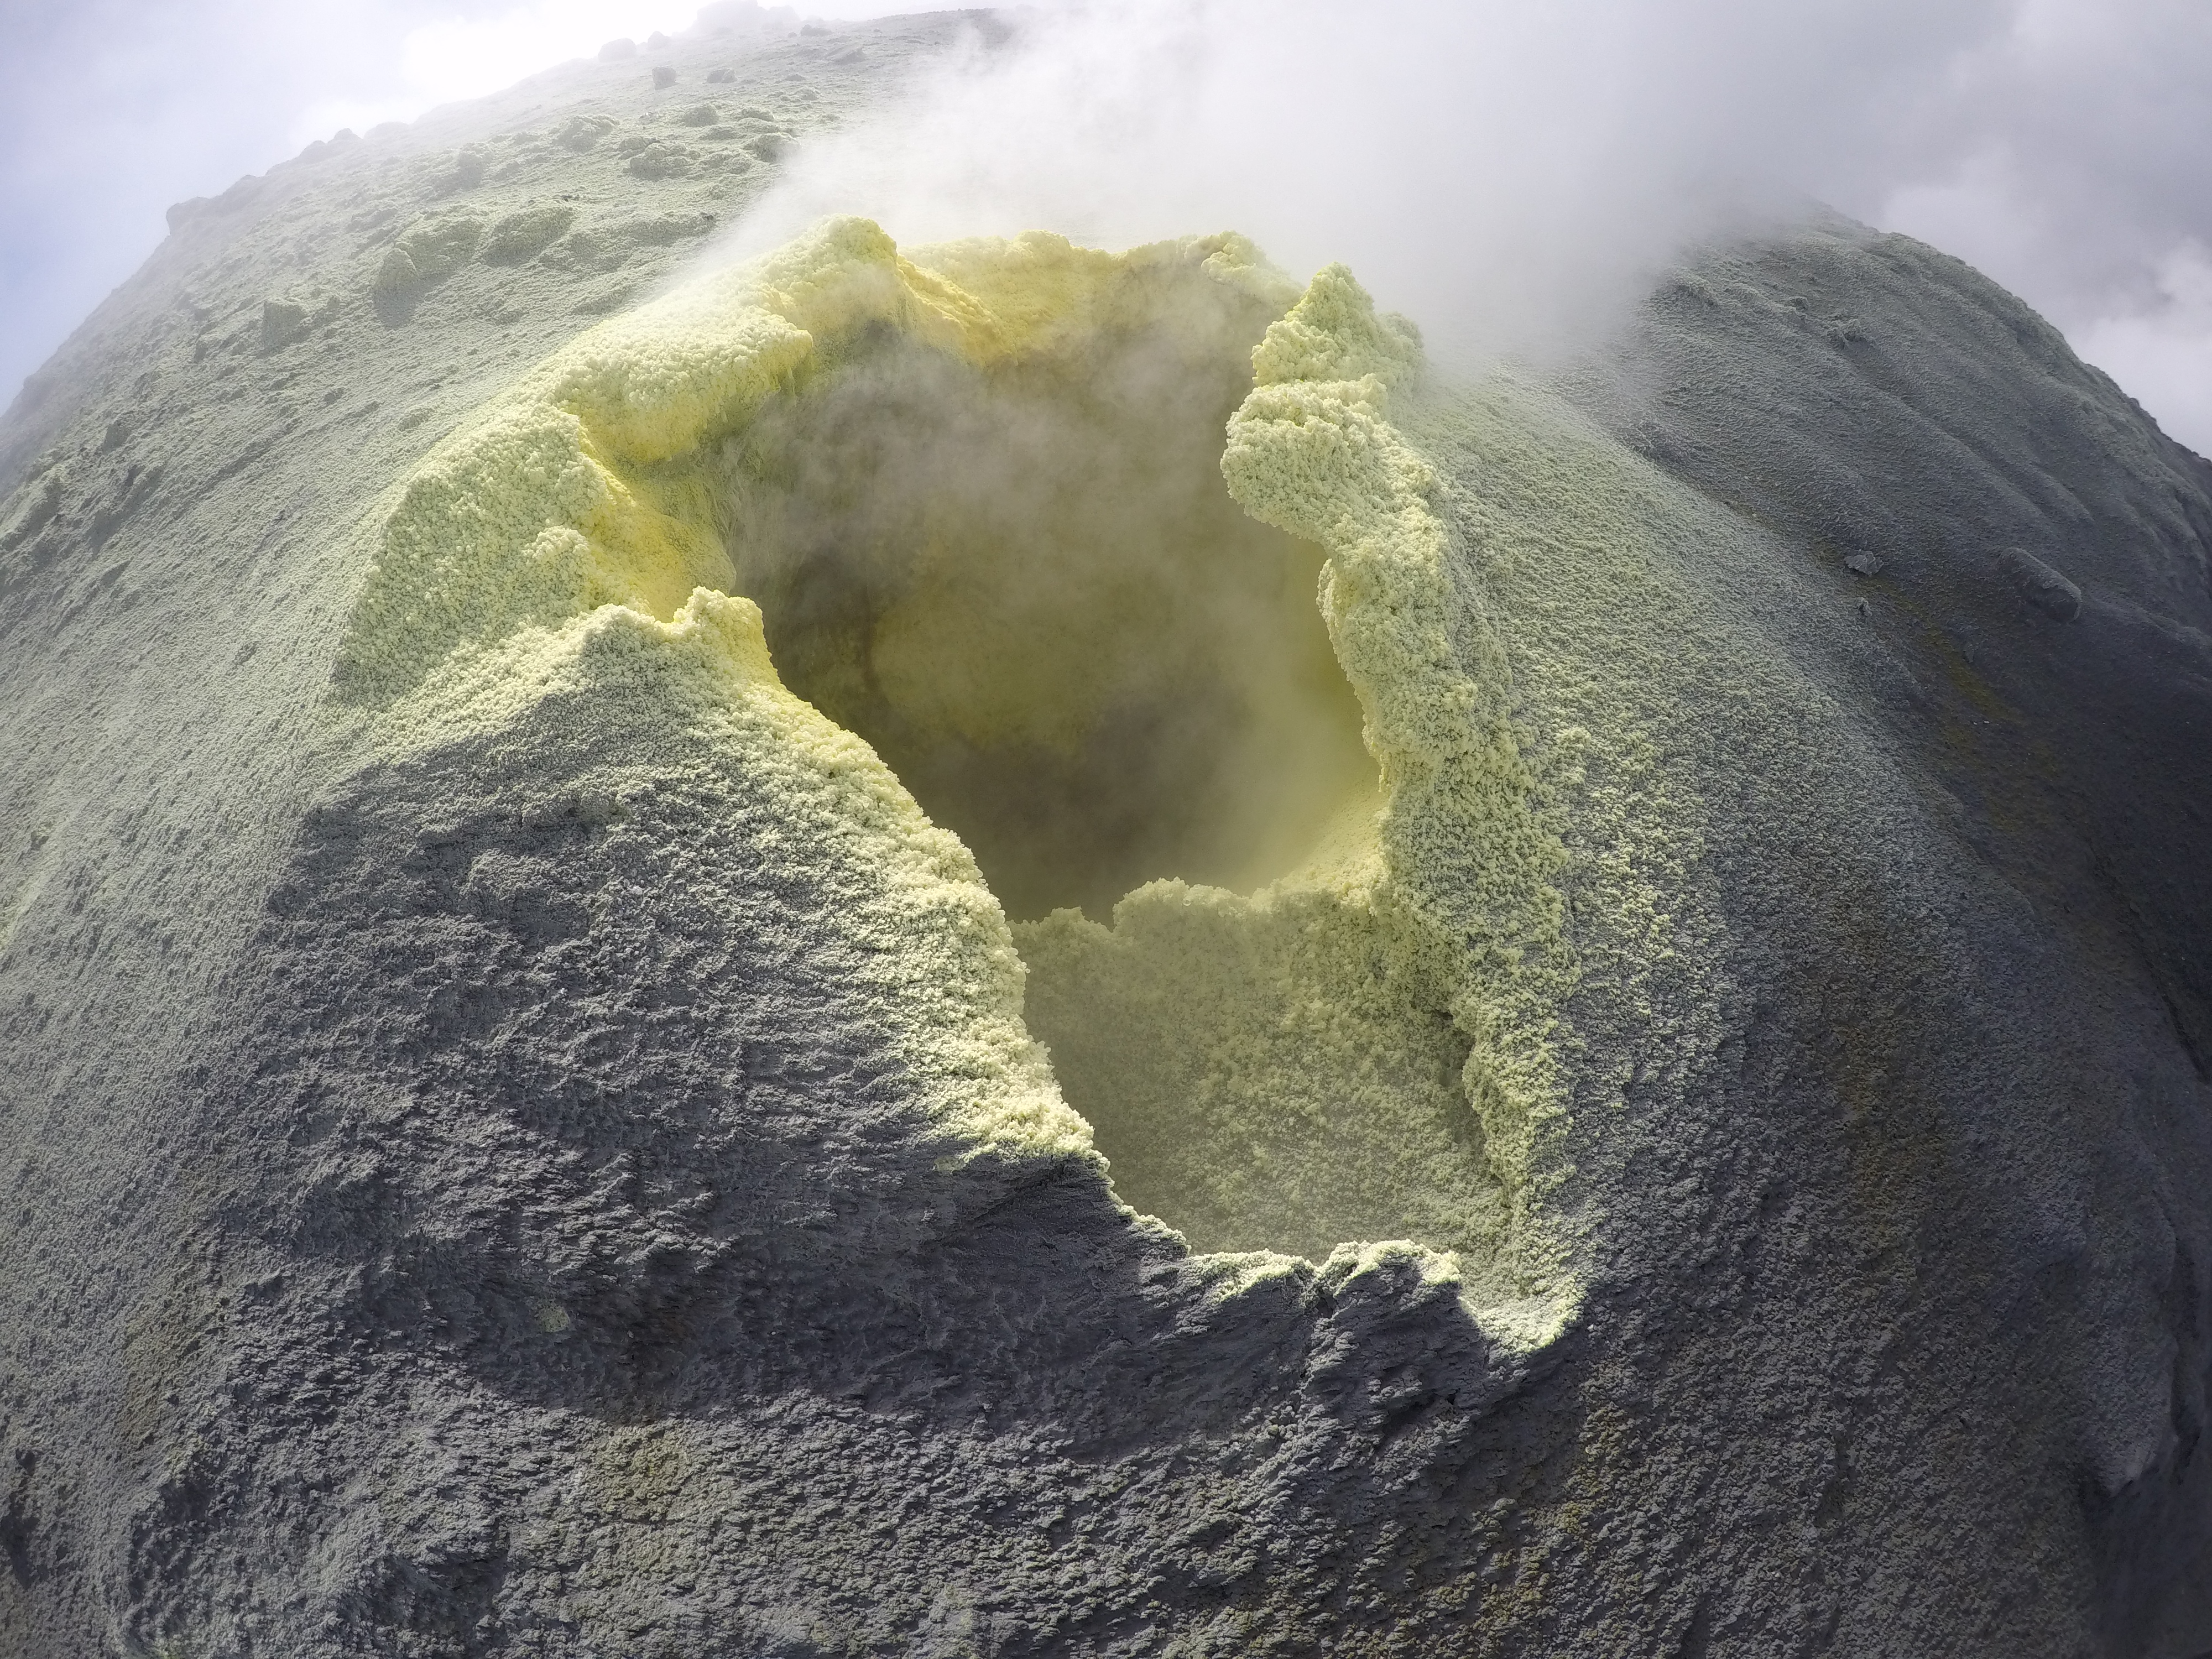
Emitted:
<point x="1509" y="174"/>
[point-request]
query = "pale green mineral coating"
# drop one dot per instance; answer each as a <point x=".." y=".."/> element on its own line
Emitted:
<point x="1358" y="1051"/>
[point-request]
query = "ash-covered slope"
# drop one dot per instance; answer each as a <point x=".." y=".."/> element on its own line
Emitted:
<point x="2031" y="563"/>
<point x="523" y="1133"/>
<point x="2031" y="549"/>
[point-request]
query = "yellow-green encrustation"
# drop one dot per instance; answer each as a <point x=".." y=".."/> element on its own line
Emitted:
<point x="937" y="542"/>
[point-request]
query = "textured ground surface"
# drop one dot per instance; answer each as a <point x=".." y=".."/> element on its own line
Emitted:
<point x="486" y="1182"/>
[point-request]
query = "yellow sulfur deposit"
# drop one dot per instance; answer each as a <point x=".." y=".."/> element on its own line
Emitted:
<point x="1284" y="917"/>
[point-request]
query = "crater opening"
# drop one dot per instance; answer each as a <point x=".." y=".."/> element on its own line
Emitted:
<point x="1022" y="577"/>
<point x="1027" y="586"/>
<point x="976" y="492"/>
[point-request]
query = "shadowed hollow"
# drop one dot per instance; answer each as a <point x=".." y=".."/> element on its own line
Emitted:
<point x="1028" y="587"/>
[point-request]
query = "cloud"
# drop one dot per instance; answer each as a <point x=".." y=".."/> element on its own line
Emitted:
<point x="2066" y="157"/>
<point x="459" y="56"/>
<point x="1508" y="173"/>
<point x="1512" y="174"/>
<point x="110" y="110"/>
<point x="2159" y="348"/>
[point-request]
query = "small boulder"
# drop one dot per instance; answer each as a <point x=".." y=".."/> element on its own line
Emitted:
<point x="1863" y="563"/>
<point x="431" y="249"/>
<point x="615" y="49"/>
<point x="519" y="235"/>
<point x="663" y="76"/>
<point x="283" y="321"/>
<point x="396" y="275"/>
<point x="442" y="246"/>
<point x="660" y="162"/>
<point x="581" y="132"/>
<point x="469" y="166"/>
<point x="2041" y="586"/>
<point x="40" y="504"/>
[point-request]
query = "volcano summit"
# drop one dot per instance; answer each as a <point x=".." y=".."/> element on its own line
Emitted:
<point x="997" y="948"/>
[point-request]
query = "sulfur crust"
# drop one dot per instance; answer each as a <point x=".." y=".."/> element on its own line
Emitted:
<point x="1312" y="453"/>
<point x="1291" y="1043"/>
<point x="558" y="498"/>
<point x="564" y="539"/>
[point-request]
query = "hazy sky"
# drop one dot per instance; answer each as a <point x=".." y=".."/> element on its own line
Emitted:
<point x="1503" y="171"/>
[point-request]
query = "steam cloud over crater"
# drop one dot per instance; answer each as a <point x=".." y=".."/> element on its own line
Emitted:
<point x="1513" y="176"/>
